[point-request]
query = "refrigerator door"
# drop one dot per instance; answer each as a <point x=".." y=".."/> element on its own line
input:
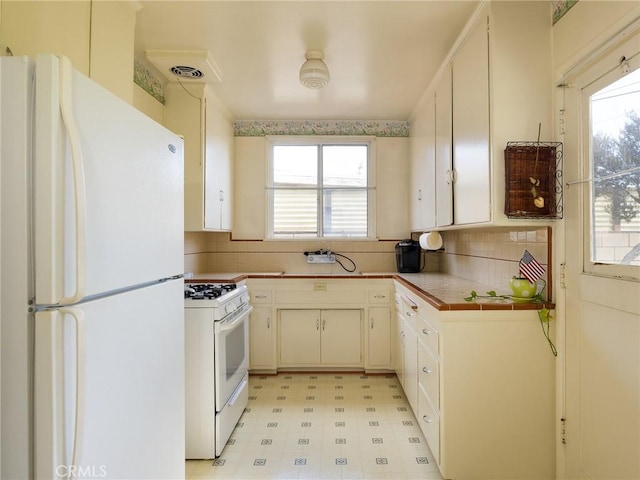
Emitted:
<point x="108" y="190"/>
<point x="109" y="387"/>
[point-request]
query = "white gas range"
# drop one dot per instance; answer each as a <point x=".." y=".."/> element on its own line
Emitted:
<point x="216" y="364"/>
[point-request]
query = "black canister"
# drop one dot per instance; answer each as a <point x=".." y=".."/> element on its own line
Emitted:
<point x="408" y="256"/>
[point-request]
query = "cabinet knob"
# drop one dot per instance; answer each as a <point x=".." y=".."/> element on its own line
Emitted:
<point x="427" y="419"/>
<point x="426" y="370"/>
<point x="426" y="332"/>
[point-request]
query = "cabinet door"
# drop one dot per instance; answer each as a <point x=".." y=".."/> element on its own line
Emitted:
<point x="399" y="347"/>
<point x="422" y="200"/>
<point x="261" y="339"/>
<point x="217" y="166"/>
<point x="443" y="160"/>
<point x="184" y="116"/>
<point x="341" y="338"/>
<point x="471" y="160"/>
<point x="379" y="337"/>
<point x="411" y="365"/>
<point x="299" y="333"/>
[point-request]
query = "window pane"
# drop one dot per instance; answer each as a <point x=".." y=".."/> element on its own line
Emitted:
<point x="344" y="165"/>
<point x="615" y="134"/>
<point x="295" y="213"/>
<point x="295" y="165"/>
<point x="345" y="213"/>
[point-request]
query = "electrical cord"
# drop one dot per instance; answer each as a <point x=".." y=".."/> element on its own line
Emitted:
<point x="345" y="268"/>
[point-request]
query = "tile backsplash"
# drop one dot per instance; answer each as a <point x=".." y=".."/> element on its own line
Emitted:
<point x="485" y="255"/>
<point x="491" y="256"/>
<point x="216" y="252"/>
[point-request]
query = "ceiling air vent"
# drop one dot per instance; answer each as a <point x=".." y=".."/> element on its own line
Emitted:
<point x="186" y="72"/>
<point x="185" y="65"/>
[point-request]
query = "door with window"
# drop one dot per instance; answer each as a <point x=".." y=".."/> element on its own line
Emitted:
<point x="600" y="423"/>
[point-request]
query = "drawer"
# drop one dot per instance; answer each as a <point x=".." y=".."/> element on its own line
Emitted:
<point x="429" y="424"/>
<point x="379" y="296"/>
<point x="260" y="296"/>
<point x="429" y="336"/>
<point x="409" y="311"/>
<point x="397" y="300"/>
<point x="429" y="375"/>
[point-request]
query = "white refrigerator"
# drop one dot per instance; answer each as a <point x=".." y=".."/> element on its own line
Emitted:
<point x="91" y="255"/>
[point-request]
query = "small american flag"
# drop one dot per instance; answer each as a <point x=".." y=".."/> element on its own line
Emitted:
<point x="530" y="268"/>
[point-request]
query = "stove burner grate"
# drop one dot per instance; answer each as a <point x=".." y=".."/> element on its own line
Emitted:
<point x="207" y="291"/>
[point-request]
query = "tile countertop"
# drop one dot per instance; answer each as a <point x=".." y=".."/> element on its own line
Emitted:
<point x="441" y="290"/>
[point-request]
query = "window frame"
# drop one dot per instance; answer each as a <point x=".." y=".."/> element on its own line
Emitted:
<point x="319" y="141"/>
<point x="604" y="73"/>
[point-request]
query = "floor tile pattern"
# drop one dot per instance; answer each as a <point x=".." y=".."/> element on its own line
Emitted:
<point x="323" y="426"/>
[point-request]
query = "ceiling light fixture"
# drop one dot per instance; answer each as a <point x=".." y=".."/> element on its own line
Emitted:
<point x="314" y="72"/>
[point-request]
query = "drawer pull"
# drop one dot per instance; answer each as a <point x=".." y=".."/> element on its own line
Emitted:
<point x="260" y="296"/>
<point x="426" y="332"/>
<point x="427" y="419"/>
<point x="379" y="296"/>
<point x="426" y="370"/>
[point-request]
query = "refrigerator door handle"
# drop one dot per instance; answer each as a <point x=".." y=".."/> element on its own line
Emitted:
<point x="66" y="111"/>
<point x="78" y="316"/>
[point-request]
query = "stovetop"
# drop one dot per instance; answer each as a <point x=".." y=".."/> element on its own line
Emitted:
<point x="207" y="291"/>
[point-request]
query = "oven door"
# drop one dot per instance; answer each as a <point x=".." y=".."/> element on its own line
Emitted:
<point x="231" y="351"/>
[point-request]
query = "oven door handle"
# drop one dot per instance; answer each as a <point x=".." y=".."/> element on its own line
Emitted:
<point x="231" y="323"/>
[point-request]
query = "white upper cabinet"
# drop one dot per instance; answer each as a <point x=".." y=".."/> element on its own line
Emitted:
<point x="98" y="37"/>
<point x="443" y="164"/>
<point x="494" y="88"/>
<point x="471" y="158"/>
<point x="431" y="169"/>
<point x="194" y="112"/>
<point x="423" y="158"/>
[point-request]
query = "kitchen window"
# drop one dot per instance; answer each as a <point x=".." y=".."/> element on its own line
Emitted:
<point x="320" y="188"/>
<point x="611" y="120"/>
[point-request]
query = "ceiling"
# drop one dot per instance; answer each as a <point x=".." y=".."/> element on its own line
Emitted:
<point x="381" y="55"/>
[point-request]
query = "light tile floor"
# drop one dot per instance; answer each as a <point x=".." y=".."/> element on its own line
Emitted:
<point x="323" y="426"/>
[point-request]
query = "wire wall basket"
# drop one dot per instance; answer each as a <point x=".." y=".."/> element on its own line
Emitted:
<point x="533" y="180"/>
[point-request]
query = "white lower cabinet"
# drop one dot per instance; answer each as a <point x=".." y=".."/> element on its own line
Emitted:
<point x="484" y="384"/>
<point x="262" y="348"/>
<point x="379" y="335"/>
<point x="326" y="338"/>
<point x="429" y="421"/>
<point x="411" y="364"/>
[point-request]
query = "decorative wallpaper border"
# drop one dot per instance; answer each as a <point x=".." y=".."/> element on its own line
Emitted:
<point x="148" y="81"/>
<point x="378" y="128"/>
<point x="560" y="7"/>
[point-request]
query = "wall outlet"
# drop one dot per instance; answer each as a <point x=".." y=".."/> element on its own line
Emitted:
<point x="323" y="258"/>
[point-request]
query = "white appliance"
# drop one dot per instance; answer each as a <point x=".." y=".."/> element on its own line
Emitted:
<point x="217" y="363"/>
<point x="91" y="250"/>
